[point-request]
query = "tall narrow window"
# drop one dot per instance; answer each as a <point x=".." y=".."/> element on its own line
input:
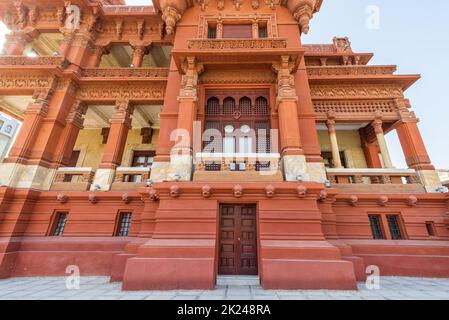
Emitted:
<point x="376" y="227"/>
<point x="212" y="32"/>
<point x="59" y="224"/>
<point x="245" y="106"/>
<point x="263" y="32"/>
<point x="430" y="226"/>
<point x="213" y="106"/>
<point x="124" y="223"/>
<point x="393" y="225"/>
<point x="229" y="106"/>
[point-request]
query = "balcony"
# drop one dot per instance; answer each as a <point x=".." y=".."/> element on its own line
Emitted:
<point x="73" y="179"/>
<point x="130" y="178"/>
<point x="375" y="180"/>
<point x="265" y="51"/>
<point x="238" y="167"/>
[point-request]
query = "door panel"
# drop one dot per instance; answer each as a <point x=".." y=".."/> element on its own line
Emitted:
<point x="238" y="240"/>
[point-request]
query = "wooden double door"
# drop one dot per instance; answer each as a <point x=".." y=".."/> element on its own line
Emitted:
<point x="238" y="240"/>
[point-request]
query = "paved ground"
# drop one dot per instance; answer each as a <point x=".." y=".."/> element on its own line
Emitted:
<point x="99" y="288"/>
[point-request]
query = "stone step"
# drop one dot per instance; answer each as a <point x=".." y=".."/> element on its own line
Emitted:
<point x="238" y="280"/>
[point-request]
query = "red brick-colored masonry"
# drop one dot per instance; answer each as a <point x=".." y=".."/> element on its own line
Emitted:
<point x="303" y="242"/>
<point x="308" y="236"/>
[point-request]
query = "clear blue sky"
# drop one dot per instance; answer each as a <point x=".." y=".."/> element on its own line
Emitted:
<point x="411" y="34"/>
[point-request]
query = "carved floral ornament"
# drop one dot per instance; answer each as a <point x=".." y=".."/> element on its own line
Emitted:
<point x="302" y="10"/>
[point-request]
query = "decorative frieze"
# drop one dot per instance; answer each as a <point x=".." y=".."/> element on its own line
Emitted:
<point x="350" y="70"/>
<point x="35" y="61"/>
<point x="125" y="73"/>
<point x="20" y="81"/>
<point x="105" y="92"/>
<point x="368" y="91"/>
<point x="223" y="44"/>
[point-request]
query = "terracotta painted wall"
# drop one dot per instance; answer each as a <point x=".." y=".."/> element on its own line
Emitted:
<point x="89" y="142"/>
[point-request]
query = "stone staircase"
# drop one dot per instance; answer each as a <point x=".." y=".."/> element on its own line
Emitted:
<point x="238" y="280"/>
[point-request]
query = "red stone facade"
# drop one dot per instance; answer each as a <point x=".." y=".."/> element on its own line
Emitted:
<point x="197" y="214"/>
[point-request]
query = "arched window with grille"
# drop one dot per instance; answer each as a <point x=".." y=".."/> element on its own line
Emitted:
<point x="213" y="106"/>
<point x="245" y="106"/>
<point x="228" y="106"/>
<point x="261" y="107"/>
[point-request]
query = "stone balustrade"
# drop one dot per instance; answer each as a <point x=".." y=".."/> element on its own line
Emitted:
<point x="73" y="179"/>
<point x="240" y="166"/>
<point x="372" y="176"/>
<point x="130" y="178"/>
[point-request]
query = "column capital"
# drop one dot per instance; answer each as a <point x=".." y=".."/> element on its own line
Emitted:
<point x="123" y="111"/>
<point x="377" y="124"/>
<point x="76" y="114"/>
<point x="330" y="123"/>
<point x="285" y="79"/>
<point x="189" y="81"/>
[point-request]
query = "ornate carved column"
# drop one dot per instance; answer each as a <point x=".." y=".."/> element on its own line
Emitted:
<point x="74" y="123"/>
<point x="414" y="149"/>
<point x="330" y="123"/>
<point x="290" y="141"/>
<point x="115" y="146"/>
<point x="378" y="129"/>
<point x="96" y="54"/>
<point x="139" y="52"/>
<point x="181" y="154"/>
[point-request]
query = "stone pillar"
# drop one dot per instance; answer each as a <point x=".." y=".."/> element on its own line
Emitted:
<point x="181" y="154"/>
<point x="416" y="154"/>
<point x="307" y="126"/>
<point x="113" y="152"/>
<point x="293" y="158"/>
<point x="378" y="129"/>
<point x="16" y="41"/>
<point x="255" y="29"/>
<point x="31" y="162"/>
<point x="139" y="53"/>
<point x="74" y="123"/>
<point x="334" y="142"/>
<point x="80" y="46"/>
<point x="94" y="59"/>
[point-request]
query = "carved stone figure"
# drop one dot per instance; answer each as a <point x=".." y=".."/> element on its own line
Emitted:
<point x="72" y="16"/>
